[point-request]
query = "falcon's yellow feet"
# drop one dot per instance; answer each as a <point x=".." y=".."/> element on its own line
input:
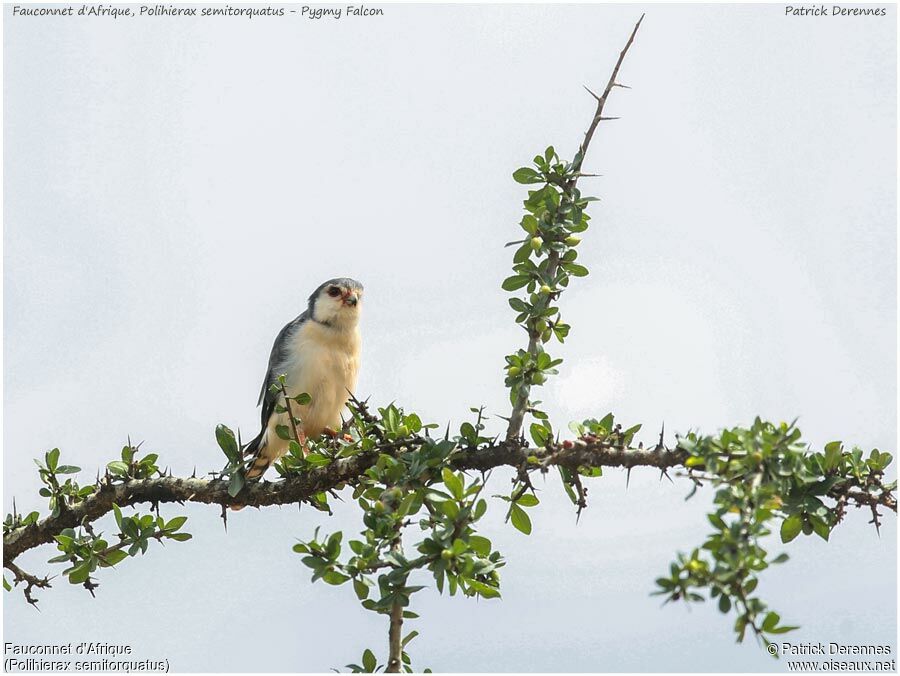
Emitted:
<point x="328" y="432"/>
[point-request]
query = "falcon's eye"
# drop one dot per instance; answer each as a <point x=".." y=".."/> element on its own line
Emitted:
<point x="333" y="291"/>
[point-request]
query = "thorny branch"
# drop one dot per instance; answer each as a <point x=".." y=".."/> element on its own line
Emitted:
<point x="395" y="646"/>
<point x="31" y="581"/>
<point x="517" y="416"/>
<point x="601" y="102"/>
<point x="339" y="473"/>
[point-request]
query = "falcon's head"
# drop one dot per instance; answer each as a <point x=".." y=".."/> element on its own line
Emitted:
<point x="336" y="303"/>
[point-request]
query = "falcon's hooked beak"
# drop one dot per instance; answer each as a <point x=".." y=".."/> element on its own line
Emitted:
<point x="350" y="298"/>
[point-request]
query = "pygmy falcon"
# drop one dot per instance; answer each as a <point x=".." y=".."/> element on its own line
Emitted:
<point x="318" y="353"/>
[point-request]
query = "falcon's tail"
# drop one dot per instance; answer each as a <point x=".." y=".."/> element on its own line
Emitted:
<point x="256" y="449"/>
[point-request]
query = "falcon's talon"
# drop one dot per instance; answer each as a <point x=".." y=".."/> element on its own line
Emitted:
<point x="318" y="354"/>
<point x="334" y="434"/>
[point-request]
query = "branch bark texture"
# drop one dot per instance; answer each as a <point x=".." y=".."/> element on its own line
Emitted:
<point x="303" y="487"/>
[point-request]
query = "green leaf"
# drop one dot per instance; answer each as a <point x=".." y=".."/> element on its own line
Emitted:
<point x="575" y="269"/>
<point x="606" y="423"/>
<point x="313" y="562"/>
<point x="117" y="467"/>
<point x="450" y="508"/>
<point x="539" y="434"/>
<point x="523" y="253"/>
<point x="226" y="441"/>
<point x="453" y="483"/>
<point x="333" y="546"/>
<point x="369" y="661"/>
<point x="771" y="621"/>
<point x="724" y="603"/>
<point x="526" y="175"/>
<point x="115" y="556"/>
<point x="118" y="513"/>
<point x="529" y="225"/>
<point x="518" y="304"/>
<point x="467" y="430"/>
<point x="335" y="578"/>
<point x="790" y="527"/>
<point x="833" y="451"/>
<point x="481" y="545"/>
<point x="716" y="521"/>
<point x="515" y="282"/>
<point x="820" y="527"/>
<point x="67" y="469"/>
<point x="628" y="434"/>
<point x="235" y="484"/>
<point x="52" y="459"/>
<point x="129" y="528"/>
<point x="528" y="500"/>
<point x="317" y="459"/>
<point x="176" y="523"/>
<point x="414" y="423"/>
<point x="520" y="519"/>
<point x="63" y="540"/>
<point x="81" y="573"/>
<point x="484" y="590"/>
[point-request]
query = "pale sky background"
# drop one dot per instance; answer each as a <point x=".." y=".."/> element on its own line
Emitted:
<point x="175" y="188"/>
